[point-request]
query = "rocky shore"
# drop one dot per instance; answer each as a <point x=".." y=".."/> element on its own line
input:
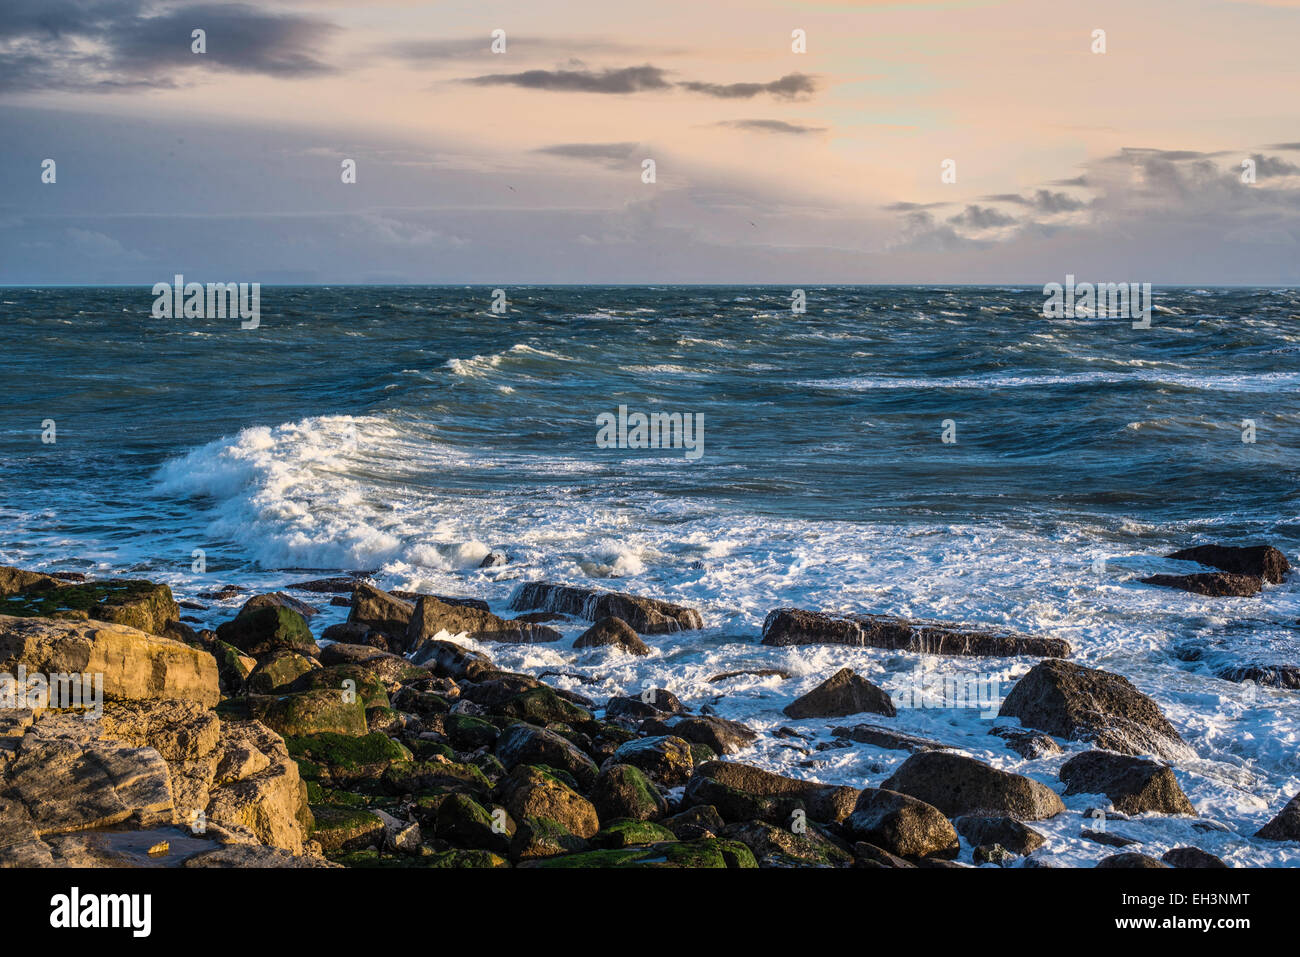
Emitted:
<point x="386" y="743"/>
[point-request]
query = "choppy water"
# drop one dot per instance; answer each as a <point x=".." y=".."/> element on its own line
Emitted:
<point x="410" y="430"/>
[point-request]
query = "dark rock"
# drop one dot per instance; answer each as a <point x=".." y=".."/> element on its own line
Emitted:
<point x="694" y="823"/>
<point x="1266" y="676"/>
<point x="723" y="736"/>
<point x="340" y="586"/>
<point x="743" y="793"/>
<point x="348" y="633"/>
<point x="794" y="626"/>
<point x="381" y="611"/>
<point x="956" y="784"/>
<point x="622" y="791"/>
<point x="666" y="759"/>
<point x="1191" y="857"/>
<point x="1087" y="704"/>
<point x="1284" y="827"/>
<point x="901" y="825"/>
<point x="653" y="702"/>
<point x="1131" y="860"/>
<point x="278" y="599"/>
<point x="780" y="847"/>
<point x="754" y="672"/>
<point x="450" y="659"/>
<point x="612" y="631"/>
<point x="1211" y="584"/>
<point x="267" y="629"/>
<point x="432" y="616"/>
<point x="1134" y="785"/>
<point x="648" y="616"/>
<point x="523" y="744"/>
<point x="493" y="559"/>
<point x="1004" y="831"/>
<point x="841" y="694"/>
<point x="1026" y="743"/>
<point x="1260" y="561"/>
<point x="1105" y="837"/>
<point x="888" y="739"/>
<point x="993" y="854"/>
<point x="869" y="855"/>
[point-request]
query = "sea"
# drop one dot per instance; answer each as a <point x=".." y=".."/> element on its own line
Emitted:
<point x="940" y="452"/>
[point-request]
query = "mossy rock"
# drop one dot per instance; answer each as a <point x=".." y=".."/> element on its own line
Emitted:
<point x="491" y="766"/>
<point x="420" y="702"/>
<point x="308" y="712"/>
<point x="344" y="760"/>
<point x="540" y="837"/>
<point x="428" y="858"/>
<point x="469" y="733"/>
<point x="262" y="630"/>
<point x="232" y="672"/>
<point x="384" y="720"/>
<point x="464" y="858"/>
<point x="542" y="706"/>
<point x="629" y="833"/>
<point x="318" y="793"/>
<point x="708" y="853"/>
<point x="369" y="690"/>
<point x="463" y="822"/>
<point x="422" y="749"/>
<point x="346" y="829"/>
<point x="122" y="601"/>
<point x="277" y="671"/>
<point x="413" y="777"/>
<point x="623" y="791"/>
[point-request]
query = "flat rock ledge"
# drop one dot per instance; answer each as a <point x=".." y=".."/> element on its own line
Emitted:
<point x="794" y="626"/>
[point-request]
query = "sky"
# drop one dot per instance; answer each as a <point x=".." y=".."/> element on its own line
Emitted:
<point x="526" y="165"/>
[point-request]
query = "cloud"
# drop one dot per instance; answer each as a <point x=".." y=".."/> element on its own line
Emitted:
<point x="637" y="79"/>
<point x="612" y="154"/>
<point x="124" y="45"/>
<point x="788" y="87"/>
<point x="1043" y="200"/>
<point x="632" y="79"/>
<point x="772" y="126"/>
<point x="981" y="217"/>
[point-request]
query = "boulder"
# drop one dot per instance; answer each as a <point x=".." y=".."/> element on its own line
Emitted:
<point x="1259" y="561"/>
<point x="524" y="744"/>
<point x="1087" y="704"/>
<point x="278" y="599"/>
<point x="714" y="853"/>
<point x="612" y="631"/>
<point x="530" y="793"/>
<point x="622" y="791"/>
<point x="957" y="784"/>
<point x="16" y="580"/>
<point x="1006" y="832"/>
<point x="309" y="712"/>
<point x="451" y="660"/>
<point x="1186" y="857"/>
<point x="740" y="792"/>
<point x="1266" y="676"/>
<point x="380" y="611"/>
<point x="1284" y="827"/>
<point x="794" y="626"/>
<point x="432" y="617"/>
<point x="1211" y="584"/>
<point x="841" y="694"/>
<point x="261" y="796"/>
<point x="134" y="664"/>
<point x="665" y="758"/>
<point x="902" y="825"/>
<point x="278" y="670"/>
<point x="781" y="847"/>
<point x="268" y="628"/>
<point x="648" y="616"/>
<point x="694" y="823"/>
<point x="719" y="734"/>
<point x="1134" y="785"/>
<point x="651" y="703"/>
<point x="887" y="738"/>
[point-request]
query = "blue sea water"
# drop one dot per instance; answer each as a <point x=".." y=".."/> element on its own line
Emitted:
<point x="409" y="430"/>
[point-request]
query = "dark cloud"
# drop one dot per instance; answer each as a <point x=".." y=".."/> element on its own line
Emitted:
<point x="789" y="87"/>
<point x="772" y="126"/>
<point x="1284" y="146"/>
<point x="632" y="79"/>
<point x="1043" y="200"/>
<point x="1266" y="166"/>
<point x="981" y="217"/>
<point x="905" y="207"/>
<point x="612" y="154"/>
<point x="121" y="45"/>
<point x="637" y="79"/>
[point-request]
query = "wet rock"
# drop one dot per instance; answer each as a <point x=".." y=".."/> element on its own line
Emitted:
<point x="612" y="631"/>
<point x="338" y="586"/>
<point x="653" y="702"/>
<point x="956" y="784"/>
<point x="1006" y="832"/>
<point x="794" y="626"/>
<point x="493" y="559"/>
<point x="278" y="599"/>
<point x="380" y="611"/>
<point x="648" y="616"/>
<point x="268" y="628"/>
<point x="781" y="847"/>
<point x="1191" y="857"/>
<point x="432" y="617"/>
<point x="617" y="834"/>
<point x="524" y="744"/>
<point x="1211" y="584"/>
<point x="1259" y="561"/>
<point x="887" y="738"/>
<point x="666" y="759"/>
<point x="740" y="792"/>
<point x="1134" y="785"/>
<point x="694" y="823"/>
<point x="751" y="672"/>
<point x="1105" y="837"/>
<point x="622" y="791"/>
<point x="309" y="712"/>
<point x="1284" y="827"/>
<point x="993" y="854"/>
<point x="1266" y="676"/>
<point x="841" y="694"/>
<point x="870" y="856"/>
<point x="719" y="734"/>
<point x="1132" y="860"/>
<point x="548" y="813"/>
<point x="1087" y="704"/>
<point x="454" y="661"/>
<point x="901" y="825"/>
<point x="1026" y="743"/>
<point x="278" y="670"/>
